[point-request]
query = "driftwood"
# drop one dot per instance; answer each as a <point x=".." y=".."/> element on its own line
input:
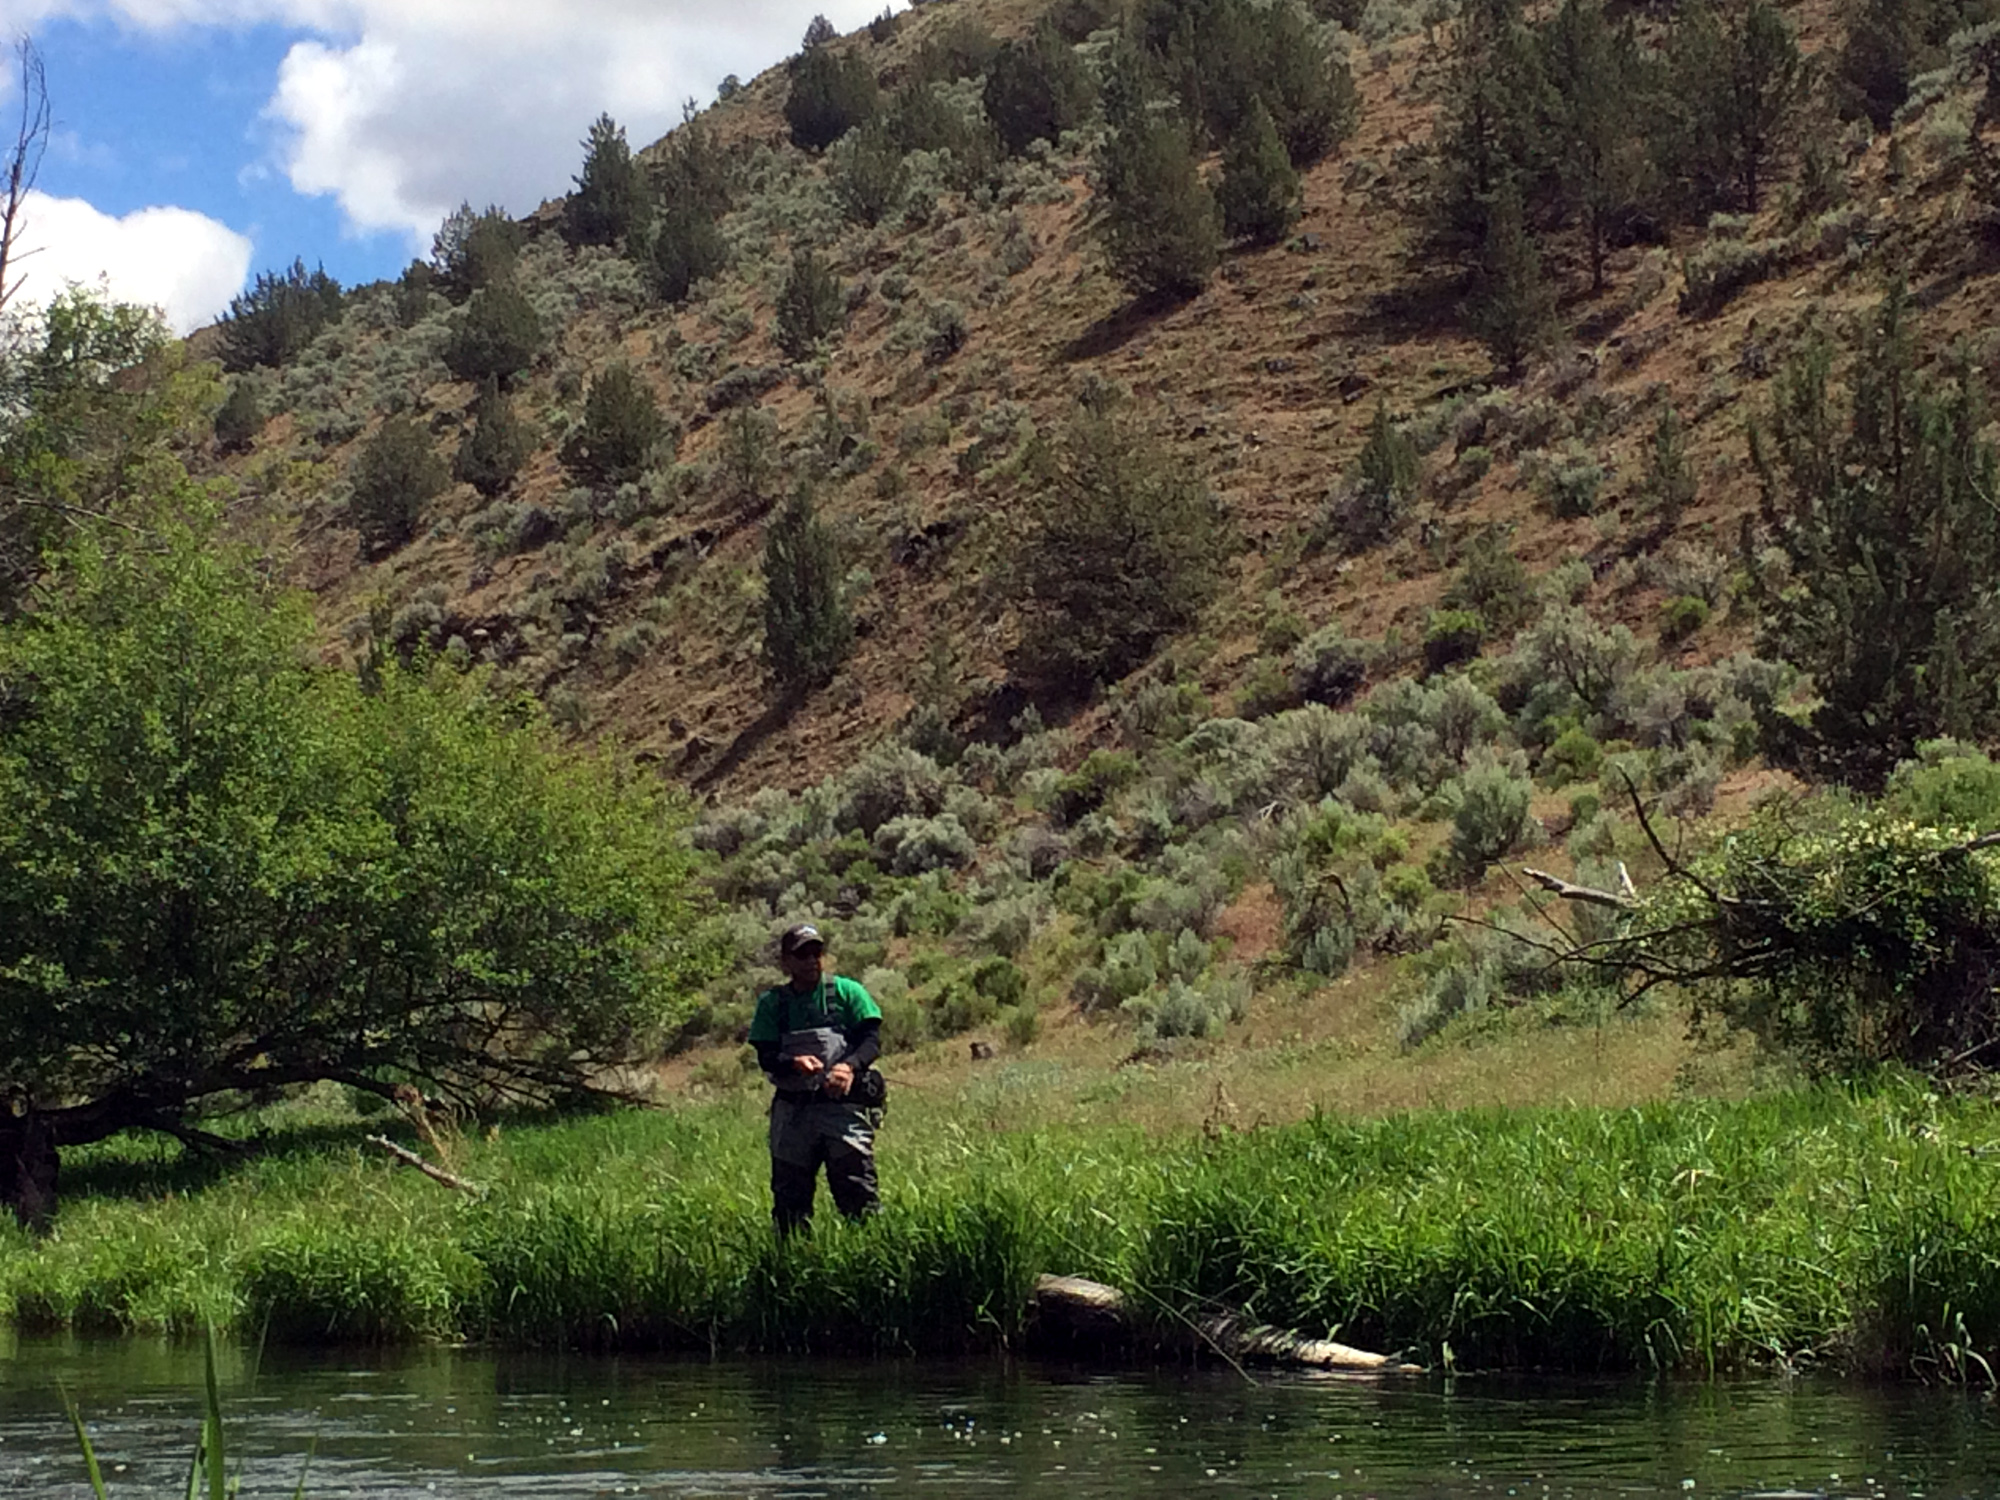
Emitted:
<point x="1076" y="1314"/>
<point x="410" y="1158"/>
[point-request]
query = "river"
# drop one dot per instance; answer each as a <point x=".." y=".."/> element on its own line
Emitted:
<point x="455" y="1424"/>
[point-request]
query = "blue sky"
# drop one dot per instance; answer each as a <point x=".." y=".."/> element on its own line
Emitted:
<point x="199" y="141"/>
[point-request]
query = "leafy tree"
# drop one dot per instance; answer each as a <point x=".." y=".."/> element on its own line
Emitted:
<point x="1595" y="82"/>
<point x="240" y="419"/>
<point x="1735" y="85"/>
<point x="1887" y="521"/>
<point x="811" y="306"/>
<point x="1160" y="227"/>
<point x="392" y="477"/>
<point x="808" y="629"/>
<point x="1259" y="195"/>
<point x="869" y="176"/>
<point x="225" y="870"/>
<point x="609" y="200"/>
<point x="1512" y="308"/>
<point x="1123" y="546"/>
<point x="472" y="251"/>
<point x="621" y="428"/>
<point x="829" y="95"/>
<point x="497" y="336"/>
<point x="495" y="446"/>
<point x="1036" y="88"/>
<point x="278" y="316"/>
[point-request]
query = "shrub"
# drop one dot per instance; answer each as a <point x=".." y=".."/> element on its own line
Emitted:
<point x="393" y="476"/>
<point x="808" y="629"/>
<point x="1377" y="496"/>
<point x="1720" y="269"/>
<point x="1490" y="817"/>
<point x="1492" y="582"/>
<point x="621" y="429"/>
<point x="280" y="314"/>
<point x="497" y="336"/>
<point x="829" y="95"/>
<point x="889" y="782"/>
<point x="1122" y="546"/>
<point x="1452" y="636"/>
<point x="240" y="418"/>
<point x="1574" y="756"/>
<point x="1947" y="785"/>
<point x="1571" y="485"/>
<point x="1329" y="668"/>
<point x="472" y="251"/>
<point x="913" y="845"/>
<point x="1160" y="227"/>
<point x="1036" y="89"/>
<point x="1260" y="196"/>
<point x="495" y="446"/>
<point x="609" y="197"/>
<point x="869" y="175"/>
<point x="811" y="306"/>
<point x="1681" y="618"/>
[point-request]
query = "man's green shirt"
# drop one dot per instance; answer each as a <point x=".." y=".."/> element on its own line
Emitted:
<point x="836" y="1002"/>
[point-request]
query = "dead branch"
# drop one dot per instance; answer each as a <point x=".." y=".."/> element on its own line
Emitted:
<point x="24" y="164"/>
<point x="410" y="1158"/>
<point x="1569" y="891"/>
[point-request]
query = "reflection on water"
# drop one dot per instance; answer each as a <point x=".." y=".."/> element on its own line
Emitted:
<point x="450" y="1423"/>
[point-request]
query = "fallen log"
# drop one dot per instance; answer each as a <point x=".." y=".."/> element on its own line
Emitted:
<point x="410" y="1158"/>
<point x="1075" y="1314"/>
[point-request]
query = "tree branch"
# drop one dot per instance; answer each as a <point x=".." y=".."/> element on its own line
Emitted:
<point x="410" y="1158"/>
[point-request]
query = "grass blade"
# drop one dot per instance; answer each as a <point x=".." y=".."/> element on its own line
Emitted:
<point x="211" y="1426"/>
<point x="89" y="1454"/>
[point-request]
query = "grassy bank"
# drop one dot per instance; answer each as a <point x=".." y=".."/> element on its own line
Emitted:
<point x="1861" y="1229"/>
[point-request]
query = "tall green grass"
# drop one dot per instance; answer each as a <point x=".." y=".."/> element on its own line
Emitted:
<point x="1860" y="1229"/>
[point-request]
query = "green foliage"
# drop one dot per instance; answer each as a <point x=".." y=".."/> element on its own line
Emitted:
<point x="1572" y="482"/>
<point x="1734" y="91"/>
<point x="1682" y="617"/>
<point x="1123" y="546"/>
<point x="819" y="33"/>
<point x="1575" y="756"/>
<point x="1218" y="56"/>
<point x="393" y="476"/>
<point x="621" y="429"/>
<point x="222" y="868"/>
<point x="684" y="245"/>
<point x="609" y="201"/>
<point x="1948" y="785"/>
<point x="869" y="176"/>
<point x="1385" y="478"/>
<point x="1490" y="144"/>
<point x="495" y="446"/>
<point x="808" y="629"/>
<point x="1160" y="228"/>
<point x="472" y="251"/>
<point x="830" y="93"/>
<point x="1891" y="42"/>
<point x="1511" y="308"/>
<point x="811" y="306"/>
<point x="1260" y="198"/>
<point x="1036" y="88"/>
<point x="1884" y="513"/>
<point x="1490" y="817"/>
<point x="1597" y="88"/>
<point x="1492" y="582"/>
<point x="1452" y="636"/>
<point x="272" y="322"/>
<point x="496" y="337"/>
<point x="1669" y="487"/>
<point x="1328" y="667"/>
<point x="240" y="418"/>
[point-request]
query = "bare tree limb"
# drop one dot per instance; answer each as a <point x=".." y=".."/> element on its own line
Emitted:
<point x="1590" y="895"/>
<point x="24" y="164"/>
<point x="410" y="1158"/>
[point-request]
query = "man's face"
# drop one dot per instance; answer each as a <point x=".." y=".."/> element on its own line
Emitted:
<point x="803" y="966"/>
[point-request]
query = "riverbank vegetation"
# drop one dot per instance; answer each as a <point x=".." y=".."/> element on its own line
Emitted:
<point x="1845" y="1227"/>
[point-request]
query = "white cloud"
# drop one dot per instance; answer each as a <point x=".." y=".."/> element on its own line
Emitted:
<point x="182" y="262"/>
<point x="400" y="109"/>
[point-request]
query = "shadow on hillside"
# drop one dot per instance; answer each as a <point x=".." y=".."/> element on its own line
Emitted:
<point x="1118" y="328"/>
<point x="1424" y="307"/>
<point x="760" y="729"/>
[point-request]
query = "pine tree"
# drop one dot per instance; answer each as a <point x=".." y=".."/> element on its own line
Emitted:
<point x="392" y="477"/>
<point x="829" y="95"/>
<point x="1511" y="309"/>
<point x="811" y="306"/>
<point x="1259" y="193"/>
<point x="1161" y="230"/>
<point x="1893" y="543"/>
<point x="808" y="629"/>
<point x="609" y="196"/>
<point x="495" y="446"/>
<point x="1595" y="87"/>
<point x="475" y="250"/>
<point x="497" y="336"/>
<point x="1036" y="89"/>
<point x="1735" y="87"/>
<point x="621" y="428"/>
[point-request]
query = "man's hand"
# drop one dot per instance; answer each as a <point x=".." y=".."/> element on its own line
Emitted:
<point x="808" y="1064"/>
<point x="839" y="1078"/>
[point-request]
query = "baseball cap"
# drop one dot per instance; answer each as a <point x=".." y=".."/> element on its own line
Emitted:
<point x="801" y="937"/>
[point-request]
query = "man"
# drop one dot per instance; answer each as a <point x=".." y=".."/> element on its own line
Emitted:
<point x="816" y="1036"/>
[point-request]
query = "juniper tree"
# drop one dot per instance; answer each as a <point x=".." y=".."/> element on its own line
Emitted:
<point x="684" y="245"/>
<point x="392" y="477"/>
<point x="869" y="176"/>
<point x="1734" y="87"/>
<point x="474" y="250"/>
<point x="1595" y="80"/>
<point x="808" y="629"/>
<point x="621" y="428"/>
<point x="495" y="446"/>
<point x="1883" y="508"/>
<point x="239" y="419"/>
<point x="829" y="94"/>
<point x="1890" y="42"/>
<point x="1036" y="88"/>
<point x="811" y="306"/>
<point x="609" y="196"/>
<point x="1511" y="308"/>
<point x="1490" y="141"/>
<point x="1307" y="88"/>
<point x="280" y="314"/>
<point x="496" y="337"/>
<point x="819" y="32"/>
<point x="1160" y="228"/>
<point x="1259" y="193"/>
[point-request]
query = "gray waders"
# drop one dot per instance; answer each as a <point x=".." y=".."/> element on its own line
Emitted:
<point x="811" y="1130"/>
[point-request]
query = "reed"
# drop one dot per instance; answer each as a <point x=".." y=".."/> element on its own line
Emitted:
<point x="1853" y="1227"/>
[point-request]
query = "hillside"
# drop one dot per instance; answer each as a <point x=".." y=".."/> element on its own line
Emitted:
<point x="1200" y="806"/>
